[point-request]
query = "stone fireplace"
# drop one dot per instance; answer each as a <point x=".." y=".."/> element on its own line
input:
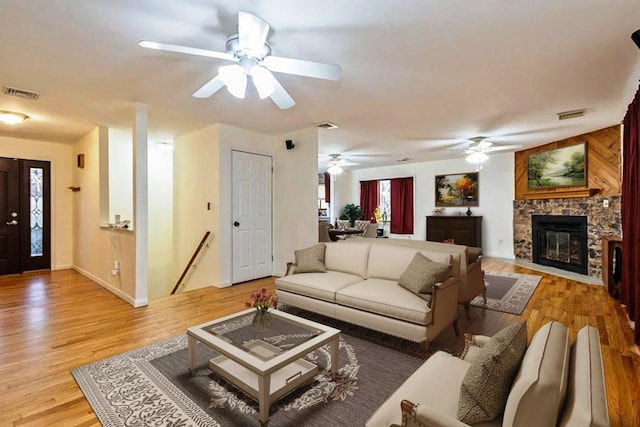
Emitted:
<point x="600" y="221"/>
<point x="560" y="241"/>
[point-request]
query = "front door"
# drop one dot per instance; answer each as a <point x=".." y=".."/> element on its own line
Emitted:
<point x="25" y="218"/>
<point x="9" y="211"/>
<point x="251" y="213"/>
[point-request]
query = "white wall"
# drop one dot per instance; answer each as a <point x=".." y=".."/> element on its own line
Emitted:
<point x="496" y="180"/>
<point x="95" y="248"/>
<point x="120" y="175"/>
<point x="202" y="172"/>
<point x="162" y="269"/>
<point x="62" y="158"/>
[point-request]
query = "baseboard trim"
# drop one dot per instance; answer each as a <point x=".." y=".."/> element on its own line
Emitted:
<point x="117" y="292"/>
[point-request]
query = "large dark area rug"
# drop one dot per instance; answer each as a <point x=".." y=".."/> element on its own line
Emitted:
<point x="152" y="385"/>
<point x="507" y="292"/>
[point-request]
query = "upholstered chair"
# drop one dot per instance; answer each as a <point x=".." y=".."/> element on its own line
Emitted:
<point x="341" y="224"/>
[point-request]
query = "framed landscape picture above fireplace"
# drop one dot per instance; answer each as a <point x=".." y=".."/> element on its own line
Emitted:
<point x="561" y="167"/>
<point x="457" y="190"/>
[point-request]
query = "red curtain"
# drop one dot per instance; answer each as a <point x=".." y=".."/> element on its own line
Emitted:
<point x="327" y="187"/>
<point x="402" y="205"/>
<point x="369" y="198"/>
<point x="630" y="285"/>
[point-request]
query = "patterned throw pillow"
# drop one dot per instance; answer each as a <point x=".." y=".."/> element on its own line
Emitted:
<point x="310" y="260"/>
<point x="422" y="273"/>
<point x="486" y="386"/>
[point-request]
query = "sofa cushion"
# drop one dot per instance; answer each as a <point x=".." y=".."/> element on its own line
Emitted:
<point x="422" y="273"/>
<point x="317" y="285"/>
<point x="310" y="260"/>
<point x="385" y="297"/>
<point x="586" y="404"/>
<point x="539" y="389"/>
<point x="486" y="385"/>
<point x="348" y="258"/>
<point x="435" y="383"/>
<point x="390" y="261"/>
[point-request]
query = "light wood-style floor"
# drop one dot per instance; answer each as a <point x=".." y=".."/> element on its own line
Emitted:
<point x="51" y="322"/>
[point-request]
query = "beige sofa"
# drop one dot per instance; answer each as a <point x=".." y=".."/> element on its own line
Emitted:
<point x="361" y="287"/>
<point x="471" y="274"/>
<point x="557" y="384"/>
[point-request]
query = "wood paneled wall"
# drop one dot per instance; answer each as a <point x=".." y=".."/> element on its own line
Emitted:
<point x="603" y="165"/>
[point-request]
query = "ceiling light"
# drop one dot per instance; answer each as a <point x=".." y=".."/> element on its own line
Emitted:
<point x="11" y="118"/>
<point x="235" y="79"/>
<point x="477" y="158"/>
<point x="263" y="80"/>
<point x="334" y="170"/>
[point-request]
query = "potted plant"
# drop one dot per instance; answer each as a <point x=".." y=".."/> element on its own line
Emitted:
<point x="352" y="213"/>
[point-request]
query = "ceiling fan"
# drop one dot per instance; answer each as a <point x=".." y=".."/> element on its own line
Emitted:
<point x="336" y="162"/>
<point x="476" y="149"/>
<point x="252" y="56"/>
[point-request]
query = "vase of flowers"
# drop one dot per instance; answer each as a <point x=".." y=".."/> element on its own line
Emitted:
<point x="262" y="301"/>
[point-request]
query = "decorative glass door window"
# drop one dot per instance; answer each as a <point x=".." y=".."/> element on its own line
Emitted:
<point x="36" y="210"/>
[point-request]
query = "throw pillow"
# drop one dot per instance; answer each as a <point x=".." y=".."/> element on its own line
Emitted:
<point x="422" y="273"/>
<point x="310" y="260"/>
<point x="486" y="385"/>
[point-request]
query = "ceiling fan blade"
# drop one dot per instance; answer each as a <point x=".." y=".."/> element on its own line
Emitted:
<point x="252" y="31"/>
<point x="483" y="145"/>
<point x="502" y="148"/>
<point x="281" y="98"/>
<point x="302" y="67"/>
<point x="209" y="88"/>
<point x="187" y="50"/>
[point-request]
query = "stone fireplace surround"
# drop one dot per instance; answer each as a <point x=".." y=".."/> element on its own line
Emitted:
<point x="601" y="222"/>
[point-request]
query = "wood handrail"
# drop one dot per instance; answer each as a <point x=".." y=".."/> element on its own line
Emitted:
<point x="193" y="257"/>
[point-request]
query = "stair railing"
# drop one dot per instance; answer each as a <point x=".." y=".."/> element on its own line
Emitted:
<point x="191" y="264"/>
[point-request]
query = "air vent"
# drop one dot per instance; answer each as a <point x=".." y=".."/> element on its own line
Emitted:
<point x="327" y="125"/>
<point x="20" y="93"/>
<point x="570" y="114"/>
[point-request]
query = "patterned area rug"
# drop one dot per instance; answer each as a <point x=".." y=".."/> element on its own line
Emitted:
<point x="507" y="292"/>
<point x="152" y="386"/>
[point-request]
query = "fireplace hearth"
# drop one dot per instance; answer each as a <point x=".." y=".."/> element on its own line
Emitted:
<point x="560" y="241"/>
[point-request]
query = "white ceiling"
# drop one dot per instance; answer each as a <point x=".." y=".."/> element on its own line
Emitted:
<point x="417" y="75"/>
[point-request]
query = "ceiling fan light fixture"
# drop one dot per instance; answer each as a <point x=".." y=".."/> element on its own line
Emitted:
<point x="477" y="158"/>
<point x="11" y="118"/>
<point x="234" y="79"/>
<point x="263" y="80"/>
<point x="334" y="170"/>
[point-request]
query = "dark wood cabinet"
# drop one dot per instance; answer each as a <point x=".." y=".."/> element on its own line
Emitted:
<point x="464" y="230"/>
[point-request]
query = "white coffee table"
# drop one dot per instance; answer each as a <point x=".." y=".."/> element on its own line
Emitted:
<point x="262" y="370"/>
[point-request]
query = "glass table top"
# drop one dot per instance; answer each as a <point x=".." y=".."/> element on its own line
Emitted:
<point x="264" y="338"/>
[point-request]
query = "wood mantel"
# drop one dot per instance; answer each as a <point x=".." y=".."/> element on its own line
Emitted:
<point x="561" y="194"/>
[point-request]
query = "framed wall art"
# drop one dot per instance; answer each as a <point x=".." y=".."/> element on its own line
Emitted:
<point x="459" y="189"/>
<point x="560" y="167"/>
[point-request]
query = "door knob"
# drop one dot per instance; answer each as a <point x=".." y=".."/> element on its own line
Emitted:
<point x="14" y="222"/>
<point x="236" y="224"/>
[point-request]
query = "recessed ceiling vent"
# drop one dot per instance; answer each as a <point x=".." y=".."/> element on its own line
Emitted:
<point x="20" y="93"/>
<point x="570" y="114"/>
<point x="327" y="125"/>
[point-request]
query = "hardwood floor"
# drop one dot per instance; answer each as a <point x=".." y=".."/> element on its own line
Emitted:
<point x="51" y="322"/>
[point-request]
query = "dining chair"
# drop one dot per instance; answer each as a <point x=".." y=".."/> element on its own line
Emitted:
<point x="342" y="224"/>
<point x="361" y="225"/>
<point x="371" y="232"/>
<point x="323" y="232"/>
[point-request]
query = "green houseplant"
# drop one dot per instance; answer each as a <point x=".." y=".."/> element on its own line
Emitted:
<point x="352" y="213"/>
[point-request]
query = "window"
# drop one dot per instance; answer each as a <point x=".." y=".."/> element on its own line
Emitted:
<point x="385" y="200"/>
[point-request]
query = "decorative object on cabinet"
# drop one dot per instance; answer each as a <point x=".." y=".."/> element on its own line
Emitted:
<point x="457" y="190"/>
<point x="560" y="167"/>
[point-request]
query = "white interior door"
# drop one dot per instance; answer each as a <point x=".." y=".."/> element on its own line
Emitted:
<point x="251" y="213"/>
